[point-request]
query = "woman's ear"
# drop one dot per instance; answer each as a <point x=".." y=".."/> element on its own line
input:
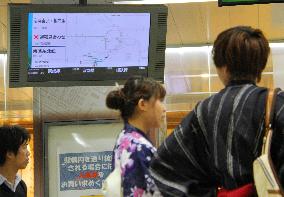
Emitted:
<point x="142" y="105"/>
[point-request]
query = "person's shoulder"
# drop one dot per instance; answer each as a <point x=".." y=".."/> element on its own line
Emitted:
<point x="138" y="139"/>
<point x="143" y="150"/>
<point x="279" y="106"/>
<point x="136" y="146"/>
<point x="280" y="97"/>
<point x="23" y="185"/>
<point x="242" y="90"/>
<point x="22" y="182"/>
<point x="130" y="139"/>
<point x="205" y="101"/>
<point x="280" y="94"/>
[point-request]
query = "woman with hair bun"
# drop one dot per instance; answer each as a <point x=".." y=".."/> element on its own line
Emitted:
<point x="140" y="103"/>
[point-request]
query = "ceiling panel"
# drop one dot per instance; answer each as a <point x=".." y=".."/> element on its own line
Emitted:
<point x="189" y="23"/>
<point x="200" y="23"/>
<point x="271" y="20"/>
<point x="243" y="15"/>
<point x="3" y="27"/>
<point x="173" y="35"/>
<point x="218" y="20"/>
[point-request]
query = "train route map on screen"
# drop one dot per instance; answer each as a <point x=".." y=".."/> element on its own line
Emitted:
<point x="67" y="40"/>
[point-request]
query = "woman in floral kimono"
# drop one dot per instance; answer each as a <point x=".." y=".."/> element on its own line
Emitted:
<point x="140" y="103"/>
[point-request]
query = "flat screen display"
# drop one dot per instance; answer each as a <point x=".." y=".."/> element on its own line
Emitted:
<point x="64" y="45"/>
<point x="55" y="45"/>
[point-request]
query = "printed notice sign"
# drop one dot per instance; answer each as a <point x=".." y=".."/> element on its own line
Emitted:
<point x="81" y="171"/>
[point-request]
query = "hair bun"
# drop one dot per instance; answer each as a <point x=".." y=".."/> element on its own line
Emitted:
<point x="115" y="99"/>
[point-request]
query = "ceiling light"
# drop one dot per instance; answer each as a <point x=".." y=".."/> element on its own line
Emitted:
<point x="276" y="45"/>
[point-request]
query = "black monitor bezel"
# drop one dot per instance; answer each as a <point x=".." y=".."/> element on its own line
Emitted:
<point x="157" y="35"/>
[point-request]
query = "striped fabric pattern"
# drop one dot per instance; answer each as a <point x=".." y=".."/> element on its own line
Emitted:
<point x="216" y="144"/>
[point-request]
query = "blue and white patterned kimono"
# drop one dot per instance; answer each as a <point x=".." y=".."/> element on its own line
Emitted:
<point x="134" y="152"/>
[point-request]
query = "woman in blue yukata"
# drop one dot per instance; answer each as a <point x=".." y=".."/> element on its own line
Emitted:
<point x="140" y="103"/>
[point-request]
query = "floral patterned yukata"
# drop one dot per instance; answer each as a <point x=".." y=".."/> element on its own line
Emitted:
<point x="134" y="152"/>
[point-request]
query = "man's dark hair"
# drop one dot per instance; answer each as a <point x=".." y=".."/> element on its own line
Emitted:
<point x="243" y="50"/>
<point x="11" y="138"/>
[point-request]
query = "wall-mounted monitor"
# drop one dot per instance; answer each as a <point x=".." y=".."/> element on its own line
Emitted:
<point x="75" y="45"/>
<point x="246" y="2"/>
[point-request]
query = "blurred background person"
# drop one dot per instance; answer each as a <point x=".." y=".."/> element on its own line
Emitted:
<point x="14" y="155"/>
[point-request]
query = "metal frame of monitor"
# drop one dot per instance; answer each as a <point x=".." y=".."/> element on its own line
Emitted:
<point x="18" y="31"/>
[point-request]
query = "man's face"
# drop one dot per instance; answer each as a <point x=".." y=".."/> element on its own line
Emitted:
<point x="21" y="160"/>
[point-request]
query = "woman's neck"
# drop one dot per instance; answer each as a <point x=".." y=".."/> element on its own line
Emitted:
<point x="137" y="123"/>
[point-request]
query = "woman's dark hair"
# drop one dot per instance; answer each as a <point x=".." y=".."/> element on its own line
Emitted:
<point x="243" y="50"/>
<point x="11" y="138"/>
<point x="135" y="88"/>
